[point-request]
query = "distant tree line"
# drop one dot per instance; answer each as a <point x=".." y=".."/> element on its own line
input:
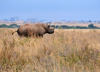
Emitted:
<point x="90" y="26"/>
<point x="9" y="26"/>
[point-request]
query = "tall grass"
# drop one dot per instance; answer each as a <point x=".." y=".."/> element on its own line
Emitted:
<point x="63" y="51"/>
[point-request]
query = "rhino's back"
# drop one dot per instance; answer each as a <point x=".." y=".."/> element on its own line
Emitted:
<point x="24" y="29"/>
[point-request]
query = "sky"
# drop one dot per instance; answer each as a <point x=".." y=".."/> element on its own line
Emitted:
<point x="51" y="9"/>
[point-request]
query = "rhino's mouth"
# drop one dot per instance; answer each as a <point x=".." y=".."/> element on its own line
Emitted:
<point x="51" y="32"/>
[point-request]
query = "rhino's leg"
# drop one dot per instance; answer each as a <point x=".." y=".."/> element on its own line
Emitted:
<point x="40" y="35"/>
<point x="19" y="33"/>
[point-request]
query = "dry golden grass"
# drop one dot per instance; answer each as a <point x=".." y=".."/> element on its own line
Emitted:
<point x="64" y="51"/>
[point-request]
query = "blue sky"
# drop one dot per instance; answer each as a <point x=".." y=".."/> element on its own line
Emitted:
<point x="50" y="9"/>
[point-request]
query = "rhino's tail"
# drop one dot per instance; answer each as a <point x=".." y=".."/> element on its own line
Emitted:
<point x="14" y="32"/>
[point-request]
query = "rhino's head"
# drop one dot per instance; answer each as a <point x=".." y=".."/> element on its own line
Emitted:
<point x="50" y="30"/>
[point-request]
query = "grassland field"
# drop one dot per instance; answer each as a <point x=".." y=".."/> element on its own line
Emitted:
<point x="67" y="50"/>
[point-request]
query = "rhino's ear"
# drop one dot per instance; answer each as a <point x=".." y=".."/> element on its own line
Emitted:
<point x="48" y="25"/>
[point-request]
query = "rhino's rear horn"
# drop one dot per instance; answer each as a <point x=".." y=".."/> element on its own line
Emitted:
<point x="48" y="25"/>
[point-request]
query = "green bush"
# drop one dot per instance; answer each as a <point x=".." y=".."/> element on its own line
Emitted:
<point x="10" y="26"/>
<point x="92" y="26"/>
<point x="3" y="26"/>
<point x="13" y="26"/>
